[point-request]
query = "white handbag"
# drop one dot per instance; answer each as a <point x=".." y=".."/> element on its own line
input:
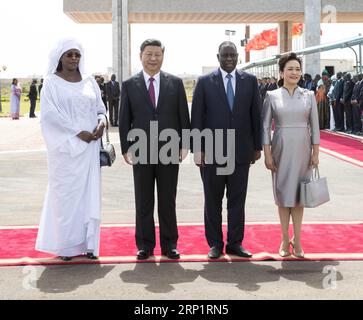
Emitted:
<point x="315" y="192"/>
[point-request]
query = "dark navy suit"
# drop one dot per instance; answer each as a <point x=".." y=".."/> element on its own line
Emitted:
<point x="210" y="110"/>
<point x="137" y="112"/>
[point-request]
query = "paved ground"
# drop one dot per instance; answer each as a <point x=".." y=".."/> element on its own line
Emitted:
<point x="23" y="180"/>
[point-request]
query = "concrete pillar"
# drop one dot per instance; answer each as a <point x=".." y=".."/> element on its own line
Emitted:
<point x="312" y="35"/>
<point x="285" y="36"/>
<point x="120" y="39"/>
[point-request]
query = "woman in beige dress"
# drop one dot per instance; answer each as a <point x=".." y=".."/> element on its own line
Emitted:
<point x="294" y="149"/>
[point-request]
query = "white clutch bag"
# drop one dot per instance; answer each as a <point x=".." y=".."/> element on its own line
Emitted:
<point x="315" y="192"/>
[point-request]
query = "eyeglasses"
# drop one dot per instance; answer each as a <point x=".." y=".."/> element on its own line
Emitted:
<point x="73" y="54"/>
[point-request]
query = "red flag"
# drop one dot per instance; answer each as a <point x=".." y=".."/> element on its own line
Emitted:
<point x="297" y="29"/>
<point x="257" y="43"/>
<point x="263" y="40"/>
<point x="270" y="36"/>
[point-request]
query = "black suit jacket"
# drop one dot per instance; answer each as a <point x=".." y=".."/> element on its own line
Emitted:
<point x="338" y="89"/>
<point x="137" y="111"/>
<point x="33" y="93"/>
<point x="113" y="91"/>
<point x="360" y="94"/>
<point x="210" y="109"/>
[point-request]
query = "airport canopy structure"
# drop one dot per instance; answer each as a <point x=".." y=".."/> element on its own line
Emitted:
<point x="121" y="13"/>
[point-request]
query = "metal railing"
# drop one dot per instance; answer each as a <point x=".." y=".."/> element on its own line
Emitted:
<point x="269" y="65"/>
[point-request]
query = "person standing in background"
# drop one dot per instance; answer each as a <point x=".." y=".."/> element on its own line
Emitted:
<point x="40" y="87"/>
<point x="347" y="96"/>
<point x="15" y="100"/>
<point x="102" y="86"/>
<point x="338" y="107"/>
<point x="356" y="109"/>
<point x="33" y="96"/>
<point x="113" y="97"/>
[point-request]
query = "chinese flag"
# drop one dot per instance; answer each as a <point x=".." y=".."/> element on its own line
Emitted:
<point x="297" y="29"/>
<point x="257" y="43"/>
<point x="270" y="36"/>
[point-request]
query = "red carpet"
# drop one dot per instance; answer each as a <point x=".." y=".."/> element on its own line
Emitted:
<point x="323" y="241"/>
<point x="342" y="147"/>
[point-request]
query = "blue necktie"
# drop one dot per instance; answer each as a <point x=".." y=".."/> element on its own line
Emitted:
<point x="230" y="94"/>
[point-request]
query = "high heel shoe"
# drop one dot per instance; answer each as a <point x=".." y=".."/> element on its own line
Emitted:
<point x="283" y="253"/>
<point x="300" y="254"/>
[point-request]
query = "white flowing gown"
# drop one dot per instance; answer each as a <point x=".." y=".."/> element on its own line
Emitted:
<point x="71" y="217"/>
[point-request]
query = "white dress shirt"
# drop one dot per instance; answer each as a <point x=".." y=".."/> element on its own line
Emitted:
<point x="225" y="79"/>
<point x="156" y="84"/>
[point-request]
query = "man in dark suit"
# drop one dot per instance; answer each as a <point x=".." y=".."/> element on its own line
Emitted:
<point x="227" y="99"/>
<point x="33" y="96"/>
<point x="40" y="87"/>
<point x="347" y="96"/>
<point x="273" y="84"/>
<point x="356" y="111"/>
<point x="153" y="97"/>
<point x="113" y="97"/>
<point x="102" y="86"/>
<point x="338" y="107"/>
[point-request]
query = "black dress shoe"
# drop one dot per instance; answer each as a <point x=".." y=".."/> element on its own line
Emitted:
<point x="239" y="251"/>
<point x="144" y="254"/>
<point x="214" y="253"/>
<point x="171" y="254"/>
<point x="91" y="256"/>
<point x="66" y="258"/>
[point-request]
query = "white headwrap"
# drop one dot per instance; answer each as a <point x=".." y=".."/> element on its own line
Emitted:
<point x="63" y="46"/>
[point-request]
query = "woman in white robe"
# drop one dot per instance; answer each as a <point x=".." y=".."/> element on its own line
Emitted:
<point x="15" y="100"/>
<point x="72" y="122"/>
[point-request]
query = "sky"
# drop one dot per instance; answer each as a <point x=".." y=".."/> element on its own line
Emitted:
<point x="29" y="30"/>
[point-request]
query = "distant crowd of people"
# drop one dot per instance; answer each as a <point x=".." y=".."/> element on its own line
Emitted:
<point x="110" y="93"/>
<point x="15" y="97"/>
<point x="339" y="99"/>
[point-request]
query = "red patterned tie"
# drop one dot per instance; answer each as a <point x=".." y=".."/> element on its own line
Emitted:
<point x="152" y="92"/>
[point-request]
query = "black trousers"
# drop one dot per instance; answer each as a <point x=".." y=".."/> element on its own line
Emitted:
<point x="214" y="188"/>
<point x="113" y="106"/>
<point x="338" y="111"/>
<point x="166" y="178"/>
<point x="348" y="115"/>
<point x="105" y="103"/>
<point x="33" y="103"/>
<point x="357" y="123"/>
